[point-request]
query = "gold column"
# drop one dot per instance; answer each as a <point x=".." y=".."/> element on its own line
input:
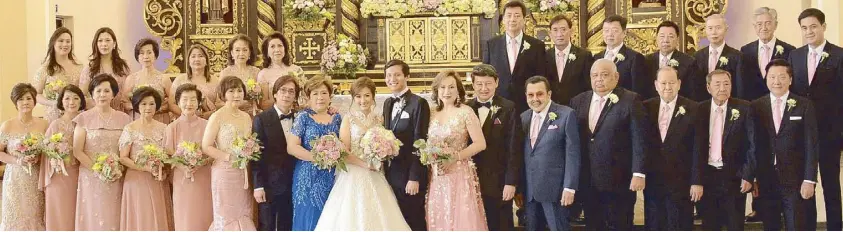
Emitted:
<point x="596" y="12"/>
<point x="350" y="18"/>
<point x="266" y="18"/>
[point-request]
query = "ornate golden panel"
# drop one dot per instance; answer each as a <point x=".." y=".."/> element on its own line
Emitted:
<point x="642" y="40"/>
<point x="308" y="47"/>
<point x="164" y="19"/>
<point x="217" y="50"/>
<point x="429" y="40"/>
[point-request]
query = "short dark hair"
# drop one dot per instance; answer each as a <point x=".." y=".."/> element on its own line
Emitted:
<point x="283" y="80"/>
<point x="616" y="18"/>
<point x="267" y="60"/>
<point x="186" y="87"/>
<point x="670" y="24"/>
<point x="99" y="79"/>
<point x="363" y="83"/>
<point x="484" y="70"/>
<point x="812" y="12"/>
<point x="405" y="68"/>
<point x="20" y="90"/>
<point x="513" y="4"/>
<point x="238" y="37"/>
<point x="144" y="42"/>
<point x="561" y="17"/>
<point x="231" y="82"/>
<point x="74" y="90"/>
<point x="780" y="63"/>
<point x="139" y="94"/>
<point x="444" y="74"/>
<point x="539" y="79"/>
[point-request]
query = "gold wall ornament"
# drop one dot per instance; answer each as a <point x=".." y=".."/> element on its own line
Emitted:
<point x="642" y="40"/>
<point x="350" y="18"/>
<point x="217" y="57"/>
<point x="697" y="10"/>
<point x="162" y="17"/>
<point x="429" y="40"/>
<point x="307" y="47"/>
<point x="174" y="46"/>
<point x="266" y="17"/>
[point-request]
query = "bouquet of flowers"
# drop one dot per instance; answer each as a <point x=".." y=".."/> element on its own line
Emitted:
<point x="153" y="157"/>
<point x="390" y="8"/>
<point x="190" y="156"/>
<point x="432" y="155"/>
<point x="379" y="144"/>
<point x="245" y="149"/>
<point x="343" y="57"/>
<point x="308" y="10"/>
<point x="107" y="168"/>
<point x="253" y="89"/>
<point x="57" y="149"/>
<point x="52" y="89"/>
<point x="398" y="8"/>
<point x="328" y="152"/>
<point x="30" y="148"/>
<point x="549" y="6"/>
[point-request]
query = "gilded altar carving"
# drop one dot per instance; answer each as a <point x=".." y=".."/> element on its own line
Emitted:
<point x="163" y="18"/>
<point x="308" y="47"/>
<point x="642" y="40"/>
<point x="695" y="13"/>
<point x="429" y="40"/>
<point x="217" y="57"/>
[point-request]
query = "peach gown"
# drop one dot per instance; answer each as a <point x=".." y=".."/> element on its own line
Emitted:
<point x="59" y="189"/>
<point x="192" y="208"/>
<point x="144" y="204"/>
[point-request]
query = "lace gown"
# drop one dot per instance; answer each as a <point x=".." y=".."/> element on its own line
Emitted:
<point x="192" y="208"/>
<point x="232" y="203"/>
<point x="361" y="199"/>
<point x="453" y="201"/>
<point x="144" y="202"/>
<point x="59" y="189"/>
<point x="23" y="204"/>
<point x="159" y="84"/>
<point x="249" y="73"/>
<point x="117" y="102"/>
<point x="68" y="76"/>
<point x="311" y="185"/>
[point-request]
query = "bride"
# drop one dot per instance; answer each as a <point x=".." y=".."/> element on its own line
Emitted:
<point x="361" y="199"/>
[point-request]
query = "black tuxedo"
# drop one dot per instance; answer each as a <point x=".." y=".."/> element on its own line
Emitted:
<point x="408" y="126"/>
<point x="735" y="58"/>
<point x="528" y="64"/>
<point x="500" y="164"/>
<point x="753" y="85"/>
<point x="784" y="160"/>
<point x="633" y="72"/>
<point x="612" y="154"/>
<point x="722" y="198"/>
<point x="826" y="92"/>
<point x="687" y="71"/>
<point x="273" y="172"/>
<point x="576" y="77"/>
<point x="674" y="168"/>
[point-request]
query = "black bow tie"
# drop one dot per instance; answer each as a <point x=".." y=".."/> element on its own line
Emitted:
<point x="285" y="116"/>
<point x="484" y="104"/>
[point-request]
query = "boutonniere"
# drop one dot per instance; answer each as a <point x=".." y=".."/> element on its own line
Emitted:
<point x="613" y="98"/>
<point x="619" y="57"/>
<point x="526" y="47"/>
<point x="681" y="111"/>
<point x="673" y="63"/>
<point x="572" y="57"/>
<point x="791" y="103"/>
<point x="735" y="114"/>
<point x="823" y="56"/>
<point x="779" y="50"/>
<point x="724" y="61"/>
<point x="552" y="116"/>
<point x="494" y="109"/>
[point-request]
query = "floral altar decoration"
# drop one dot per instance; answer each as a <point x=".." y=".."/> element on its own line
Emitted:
<point x="343" y="57"/>
<point x="399" y="8"/>
<point x="309" y="10"/>
<point x="550" y="6"/>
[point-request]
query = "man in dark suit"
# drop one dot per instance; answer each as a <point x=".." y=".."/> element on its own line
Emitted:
<point x="613" y="136"/>
<point x="552" y="158"/>
<point x="498" y="166"/>
<point x="718" y="55"/>
<point x="757" y="54"/>
<point x="787" y="152"/>
<point x="667" y="55"/>
<point x="675" y="170"/>
<point x="726" y="124"/>
<point x="630" y="63"/>
<point x="515" y="55"/>
<point x="272" y="174"/>
<point x="817" y="72"/>
<point x="567" y="65"/>
<point x="407" y="115"/>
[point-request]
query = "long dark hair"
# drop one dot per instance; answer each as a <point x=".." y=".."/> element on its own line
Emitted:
<point x="118" y="64"/>
<point x="267" y="60"/>
<point x="53" y="66"/>
<point x="204" y="51"/>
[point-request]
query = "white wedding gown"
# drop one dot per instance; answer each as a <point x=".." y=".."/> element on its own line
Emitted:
<point x="361" y="199"/>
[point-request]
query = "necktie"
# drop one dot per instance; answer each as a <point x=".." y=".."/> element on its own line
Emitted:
<point x="664" y="121"/>
<point x="663" y="62"/>
<point x="534" y="128"/>
<point x="777" y="114"/>
<point x="713" y="57"/>
<point x="513" y="54"/>
<point x="595" y="115"/>
<point x="560" y="63"/>
<point x="763" y="60"/>
<point x="716" y="139"/>
<point x="610" y="55"/>
<point x="812" y="66"/>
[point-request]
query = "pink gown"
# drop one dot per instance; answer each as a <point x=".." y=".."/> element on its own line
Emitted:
<point x="156" y="83"/>
<point x="68" y="76"/>
<point x="59" y="189"/>
<point x="144" y="204"/>
<point x="192" y="207"/>
<point x="453" y="199"/>
<point x="117" y="103"/>
<point x="98" y="202"/>
<point x="23" y="204"/>
<point x="233" y="204"/>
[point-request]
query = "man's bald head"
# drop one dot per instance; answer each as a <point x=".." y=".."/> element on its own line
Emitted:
<point x="604" y="76"/>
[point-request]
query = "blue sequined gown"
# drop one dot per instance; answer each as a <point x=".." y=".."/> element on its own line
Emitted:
<point x="311" y="185"/>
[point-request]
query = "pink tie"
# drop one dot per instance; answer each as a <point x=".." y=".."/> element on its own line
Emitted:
<point x="534" y="129"/>
<point x="596" y="114"/>
<point x="664" y="117"/>
<point x="610" y="55"/>
<point x="763" y="60"/>
<point x="777" y="114"/>
<point x="513" y="54"/>
<point x="713" y="57"/>
<point x="716" y="139"/>
<point x="812" y="66"/>
<point x="663" y="62"/>
<point x="560" y="64"/>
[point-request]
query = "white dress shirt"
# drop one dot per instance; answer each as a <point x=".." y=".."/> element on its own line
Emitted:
<point x="671" y="106"/>
<point x="714" y="106"/>
<point x="592" y="118"/>
<point x="517" y="39"/>
<point x="665" y="58"/>
<point x="771" y="45"/>
<point x="287" y="123"/>
<point x="483" y="111"/>
<point x="564" y="53"/>
<point x="396" y="108"/>
<point x="614" y="51"/>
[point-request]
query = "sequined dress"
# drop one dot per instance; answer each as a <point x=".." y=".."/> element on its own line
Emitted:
<point x="144" y="205"/>
<point x="23" y="203"/>
<point x="311" y="185"/>
<point x="232" y="203"/>
<point x="68" y="76"/>
<point x="158" y="83"/>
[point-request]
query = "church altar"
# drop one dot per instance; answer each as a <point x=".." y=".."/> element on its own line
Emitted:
<point x="343" y="102"/>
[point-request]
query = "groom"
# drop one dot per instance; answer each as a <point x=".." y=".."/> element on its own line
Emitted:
<point x="407" y="115"/>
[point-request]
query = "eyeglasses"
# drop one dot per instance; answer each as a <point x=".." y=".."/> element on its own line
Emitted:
<point x="287" y="91"/>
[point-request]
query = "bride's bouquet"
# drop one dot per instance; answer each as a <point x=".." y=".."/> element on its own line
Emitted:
<point x="432" y="155"/>
<point x="107" y="168"/>
<point x="189" y="155"/>
<point x="379" y="144"/>
<point x="57" y="149"/>
<point x="30" y="148"/>
<point x="328" y="152"/>
<point x="153" y="157"/>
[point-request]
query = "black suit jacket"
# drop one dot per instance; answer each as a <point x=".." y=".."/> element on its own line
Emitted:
<point x="500" y="164"/>
<point x="633" y="72"/>
<point x="687" y="71"/>
<point x="575" y="79"/>
<point x="794" y="146"/>
<point x="753" y="85"/>
<point x="617" y="148"/>
<point x="738" y="138"/>
<point x="732" y="66"/>
<point x="274" y="170"/>
<point x="406" y="166"/>
<point x="528" y="64"/>
<point x="677" y="161"/>
<point x="826" y="90"/>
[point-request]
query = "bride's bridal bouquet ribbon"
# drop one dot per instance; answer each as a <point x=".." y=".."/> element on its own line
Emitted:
<point x="107" y="168"/>
<point x="328" y="152"/>
<point x="30" y="148"/>
<point x="245" y="149"/>
<point x="57" y="150"/>
<point x="189" y="155"/>
<point x="432" y="155"/>
<point x="379" y="144"/>
<point x="153" y="157"/>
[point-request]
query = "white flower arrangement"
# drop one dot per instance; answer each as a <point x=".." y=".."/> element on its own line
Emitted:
<point x="735" y="114"/>
<point x="572" y="57"/>
<point x="343" y="56"/>
<point x="619" y="57"/>
<point x="779" y="50"/>
<point x="724" y="61"/>
<point x="399" y="8"/>
<point x="791" y="103"/>
<point x="613" y="98"/>
<point x="673" y="63"/>
<point x="679" y="112"/>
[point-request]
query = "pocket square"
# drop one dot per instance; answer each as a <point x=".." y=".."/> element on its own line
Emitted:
<point x="552" y="127"/>
<point x="404" y="115"/>
<point x="497" y="121"/>
<point x="794" y="118"/>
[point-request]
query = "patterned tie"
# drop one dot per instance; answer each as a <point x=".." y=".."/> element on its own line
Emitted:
<point x="713" y="57"/>
<point x="812" y="66"/>
<point x="663" y="62"/>
<point x="777" y="114"/>
<point x="560" y="63"/>
<point x="534" y="129"/>
<point x="664" y="121"/>
<point x="596" y="114"/>
<point x="763" y="60"/>
<point x="513" y="54"/>
<point x="716" y="138"/>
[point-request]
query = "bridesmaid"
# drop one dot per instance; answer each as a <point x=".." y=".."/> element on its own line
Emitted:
<point x="311" y="185"/>
<point x="241" y="61"/>
<point x="146" y="52"/>
<point x="60" y="189"/>
<point x="199" y="74"/>
<point x="98" y="132"/>
<point x="231" y="198"/>
<point x="60" y="64"/>
<point x="144" y="202"/>
<point x="23" y="204"/>
<point x="276" y="63"/>
<point x="105" y="58"/>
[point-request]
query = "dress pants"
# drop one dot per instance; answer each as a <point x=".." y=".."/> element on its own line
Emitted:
<point x="276" y="213"/>
<point x="609" y="210"/>
<point x="498" y="213"/>
<point x="547" y="215"/>
<point x="788" y="202"/>
<point x="667" y="209"/>
<point x="723" y="203"/>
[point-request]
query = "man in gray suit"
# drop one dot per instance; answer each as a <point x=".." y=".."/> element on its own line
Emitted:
<point x="551" y="158"/>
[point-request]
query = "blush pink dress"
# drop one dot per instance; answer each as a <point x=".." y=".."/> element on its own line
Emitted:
<point x="117" y="102"/>
<point x="144" y="203"/>
<point x="192" y="208"/>
<point x="233" y="204"/>
<point x="59" y="189"/>
<point x="23" y="204"/>
<point x="69" y="75"/>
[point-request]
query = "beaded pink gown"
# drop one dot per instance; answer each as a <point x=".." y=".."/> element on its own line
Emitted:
<point x="23" y="204"/>
<point x="60" y="189"/>
<point x="192" y="208"/>
<point x="144" y="205"/>
<point x="233" y="204"/>
<point x="67" y="76"/>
